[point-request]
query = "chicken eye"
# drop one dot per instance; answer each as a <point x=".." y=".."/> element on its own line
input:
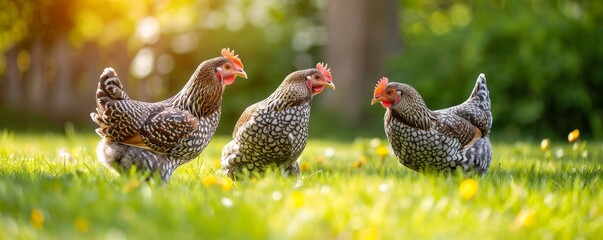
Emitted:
<point x="227" y="67"/>
<point x="388" y="92"/>
<point x="316" y="77"/>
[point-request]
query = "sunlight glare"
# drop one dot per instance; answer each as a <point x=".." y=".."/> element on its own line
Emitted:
<point x="302" y="40"/>
<point x="148" y="30"/>
<point x="213" y="20"/>
<point x="439" y="23"/>
<point x="257" y="14"/>
<point x="460" y="15"/>
<point x="236" y="20"/>
<point x="142" y="65"/>
<point x="184" y="43"/>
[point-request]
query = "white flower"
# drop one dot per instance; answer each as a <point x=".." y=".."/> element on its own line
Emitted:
<point x="227" y="202"/>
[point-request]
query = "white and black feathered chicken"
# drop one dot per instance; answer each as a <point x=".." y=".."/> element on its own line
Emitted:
<point x="441" y="140"/>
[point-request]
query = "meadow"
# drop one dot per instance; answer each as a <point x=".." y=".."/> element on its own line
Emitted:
<point x="52" y="187"/>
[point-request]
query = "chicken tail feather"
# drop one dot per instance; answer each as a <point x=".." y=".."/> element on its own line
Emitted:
<point x="480" y="93"/>
<point x="109" y="88"/>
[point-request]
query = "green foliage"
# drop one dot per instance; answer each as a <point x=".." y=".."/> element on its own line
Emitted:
<point x="273" y="39"/>
<point x="541" y="58"/>
<point x="52" y="187"/>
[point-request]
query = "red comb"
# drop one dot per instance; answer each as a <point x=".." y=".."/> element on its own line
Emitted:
<point x="230" y="55"/>
<point x="380" y="86"/>
<point x="325" y="70"/>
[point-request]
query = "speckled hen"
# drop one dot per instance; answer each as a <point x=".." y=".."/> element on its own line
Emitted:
<point x="161" y="136"/>
<point x="437" y="141"/>
<point x="274" y="131"/>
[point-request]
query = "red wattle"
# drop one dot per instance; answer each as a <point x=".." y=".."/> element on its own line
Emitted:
<point x="386" y="104"/>
<point x="229" y="80"/>
<point x="317" y="89"/>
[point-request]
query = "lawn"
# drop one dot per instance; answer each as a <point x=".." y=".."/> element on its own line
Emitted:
<point x="52" y="187"/>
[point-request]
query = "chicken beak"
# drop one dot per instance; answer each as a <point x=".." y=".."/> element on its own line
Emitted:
<point x="329" y="85"/>
<point x="241" y="73"/>
<point x="376" y="100"/>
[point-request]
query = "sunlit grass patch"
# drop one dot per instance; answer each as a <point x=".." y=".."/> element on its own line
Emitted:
<point x="53" y="187"/>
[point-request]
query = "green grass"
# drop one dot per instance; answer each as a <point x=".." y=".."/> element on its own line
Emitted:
<point x="45" y="193"/>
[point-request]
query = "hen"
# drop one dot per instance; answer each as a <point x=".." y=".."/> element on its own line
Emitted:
<point x="161" y="136"/>
<point x="442" y="140"/>
<point x="274" y="131"/>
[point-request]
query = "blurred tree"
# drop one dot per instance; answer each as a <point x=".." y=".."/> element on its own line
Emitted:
<point x="542" y="60"/>
<point x="53" y="51"/>
<point x="363" y="35"/>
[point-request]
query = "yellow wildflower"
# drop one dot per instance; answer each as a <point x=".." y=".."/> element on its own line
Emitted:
<point x="573" y="135"/>
<point x="297" y="199"/>
<point x="382" y="152"/>
<point x="81" y="225"/>
<point x="544" y="145"/>
<point x="525" y="218"/>
<point x="210" y="181"/>
<point x="227" y="184"/>
<point x="362" y="159"/>
<point x="320" y="160"/>
<point x="368" y="233"/>
<point x="217" y="165"/>
<point x="357" y="164"/>
<point x="304" y="166"/>
<point x="468" y="189"/>
<point x="131" y="185"/>
<point x="37" y="218"/>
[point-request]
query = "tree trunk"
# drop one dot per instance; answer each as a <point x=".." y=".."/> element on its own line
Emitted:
<point x="91" y="71"/>
<point x="362" y="35"/>
<point x="62" y="88"/>
<point x="36" y="93"/>
<point x="14" y="84"/>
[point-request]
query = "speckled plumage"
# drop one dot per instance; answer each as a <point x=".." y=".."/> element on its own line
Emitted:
<point x="442" y="140"/>
<point x="161" y="136"/>
<point x="274" y="131"/>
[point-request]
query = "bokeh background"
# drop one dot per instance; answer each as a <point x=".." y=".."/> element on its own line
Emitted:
<point x="543" y="59"/>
